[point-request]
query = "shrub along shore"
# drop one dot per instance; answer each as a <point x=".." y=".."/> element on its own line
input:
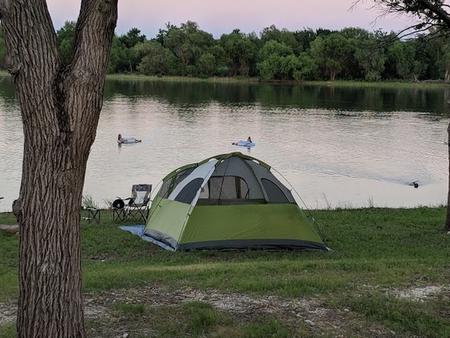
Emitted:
<point x="389" y="271"/>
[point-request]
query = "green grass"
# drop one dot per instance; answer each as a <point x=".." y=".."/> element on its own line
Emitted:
<point x="380" y="84"/>
<point x="422" y="319"/>
<point x="202" y="317"/>
<point x="130" y="309"/>
<point x="337" y="83"/>
<point x="7" y="218"/>
<point x="272" y="328"/>
<point x="373" y="249"/>
<point x="8" y="331"/>
<point x="379" y="246"/>
<point x="140" y="77"/>
<point x="395" y="84"/>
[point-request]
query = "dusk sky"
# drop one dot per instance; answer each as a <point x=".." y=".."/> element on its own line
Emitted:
<point x="218" y="16"/>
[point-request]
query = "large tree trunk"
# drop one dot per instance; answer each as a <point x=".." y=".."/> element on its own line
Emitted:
<point x="60" y="106"/>
<point x="50" y="302"/>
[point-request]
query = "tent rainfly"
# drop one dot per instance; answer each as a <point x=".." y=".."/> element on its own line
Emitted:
<point x="230" y="201"/>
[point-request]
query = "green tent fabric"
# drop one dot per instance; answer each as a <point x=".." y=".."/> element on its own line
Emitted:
<point x="229" y="201"/>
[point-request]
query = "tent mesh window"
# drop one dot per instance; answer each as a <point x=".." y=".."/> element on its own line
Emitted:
<point x="225" y="190"/>
<point x="165" y="188"/>
<point x="274" y="193"/>
<point x="169" y="185"/>
<point x="188" y="193"/>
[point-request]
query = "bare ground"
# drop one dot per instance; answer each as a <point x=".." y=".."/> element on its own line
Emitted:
<point x="11" y="229"/>
<point x="321" y="318"/>
<point x="420" y="294"/>
<point x="313" y="312"/>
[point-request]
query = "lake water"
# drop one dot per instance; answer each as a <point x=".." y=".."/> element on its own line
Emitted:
<point x="339" y="147"/>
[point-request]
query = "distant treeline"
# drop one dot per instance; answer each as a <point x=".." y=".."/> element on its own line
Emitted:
<point x="275" y="54"/>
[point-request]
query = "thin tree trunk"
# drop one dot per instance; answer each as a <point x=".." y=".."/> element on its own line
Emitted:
<point x="60" y="106"/>
<point x="447" y="222"/>
<point x="332" y="74"/>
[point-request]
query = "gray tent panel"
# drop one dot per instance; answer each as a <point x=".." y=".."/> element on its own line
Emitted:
<point x="273" y="195"/>
<point x="237" y="167"/>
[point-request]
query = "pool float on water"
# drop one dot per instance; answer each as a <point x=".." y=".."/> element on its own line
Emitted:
<point x="246" y="144"/>
<point x="128" y="140"/>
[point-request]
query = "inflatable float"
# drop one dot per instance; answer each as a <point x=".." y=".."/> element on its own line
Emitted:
<point x="128" y="140"/>
<point x="246" y="144"/>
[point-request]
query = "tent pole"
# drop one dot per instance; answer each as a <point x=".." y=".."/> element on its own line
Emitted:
<point x="223" y="179"/>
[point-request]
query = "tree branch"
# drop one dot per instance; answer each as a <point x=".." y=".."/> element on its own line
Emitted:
<point x="426" y="10"/>
<point x="93" y="39"/>
<point x="439" y="11"/>
<point x="91" y="52"/>
<point x="29" y="34"/>
<point x="32" y="57"/>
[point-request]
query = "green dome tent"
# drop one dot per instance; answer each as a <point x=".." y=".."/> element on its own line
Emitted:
<point x="229" y="201"/>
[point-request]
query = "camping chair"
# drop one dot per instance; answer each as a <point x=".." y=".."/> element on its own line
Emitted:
<point x="137" y="206"/>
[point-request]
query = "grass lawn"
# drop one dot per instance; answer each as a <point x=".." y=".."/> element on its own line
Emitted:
<point x="388" y="274"/>
<point x="394" y="84"/>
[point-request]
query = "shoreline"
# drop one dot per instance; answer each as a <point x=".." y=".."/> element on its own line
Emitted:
<point x="387" y="84"/>
<point x="428" y="84"/>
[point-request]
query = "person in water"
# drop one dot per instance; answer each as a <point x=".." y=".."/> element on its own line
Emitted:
<point x="119" y="139"/>
<point x="249" y="140"/>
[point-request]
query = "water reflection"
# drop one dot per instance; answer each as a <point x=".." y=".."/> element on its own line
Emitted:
<point x="277" y="95"/>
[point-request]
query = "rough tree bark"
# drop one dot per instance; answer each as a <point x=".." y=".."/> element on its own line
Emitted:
<point x="60" y="106"/>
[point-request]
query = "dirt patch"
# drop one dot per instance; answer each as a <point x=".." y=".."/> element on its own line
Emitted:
<point x="10" y="229"/>
<point x="7" y="313"/>
<point x="419" y="294"/>
<point x="312" y="311"/>
<point x="92" y="310"/>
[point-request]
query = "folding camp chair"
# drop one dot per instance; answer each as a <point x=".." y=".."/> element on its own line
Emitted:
<point x="91" y="215"/>
<point x="137" y="206"/>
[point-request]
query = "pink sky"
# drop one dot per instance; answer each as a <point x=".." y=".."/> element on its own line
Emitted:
<point x="218" y="16"/>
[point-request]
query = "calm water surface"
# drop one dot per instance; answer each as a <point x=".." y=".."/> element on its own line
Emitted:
<point x="339" y="147"/>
